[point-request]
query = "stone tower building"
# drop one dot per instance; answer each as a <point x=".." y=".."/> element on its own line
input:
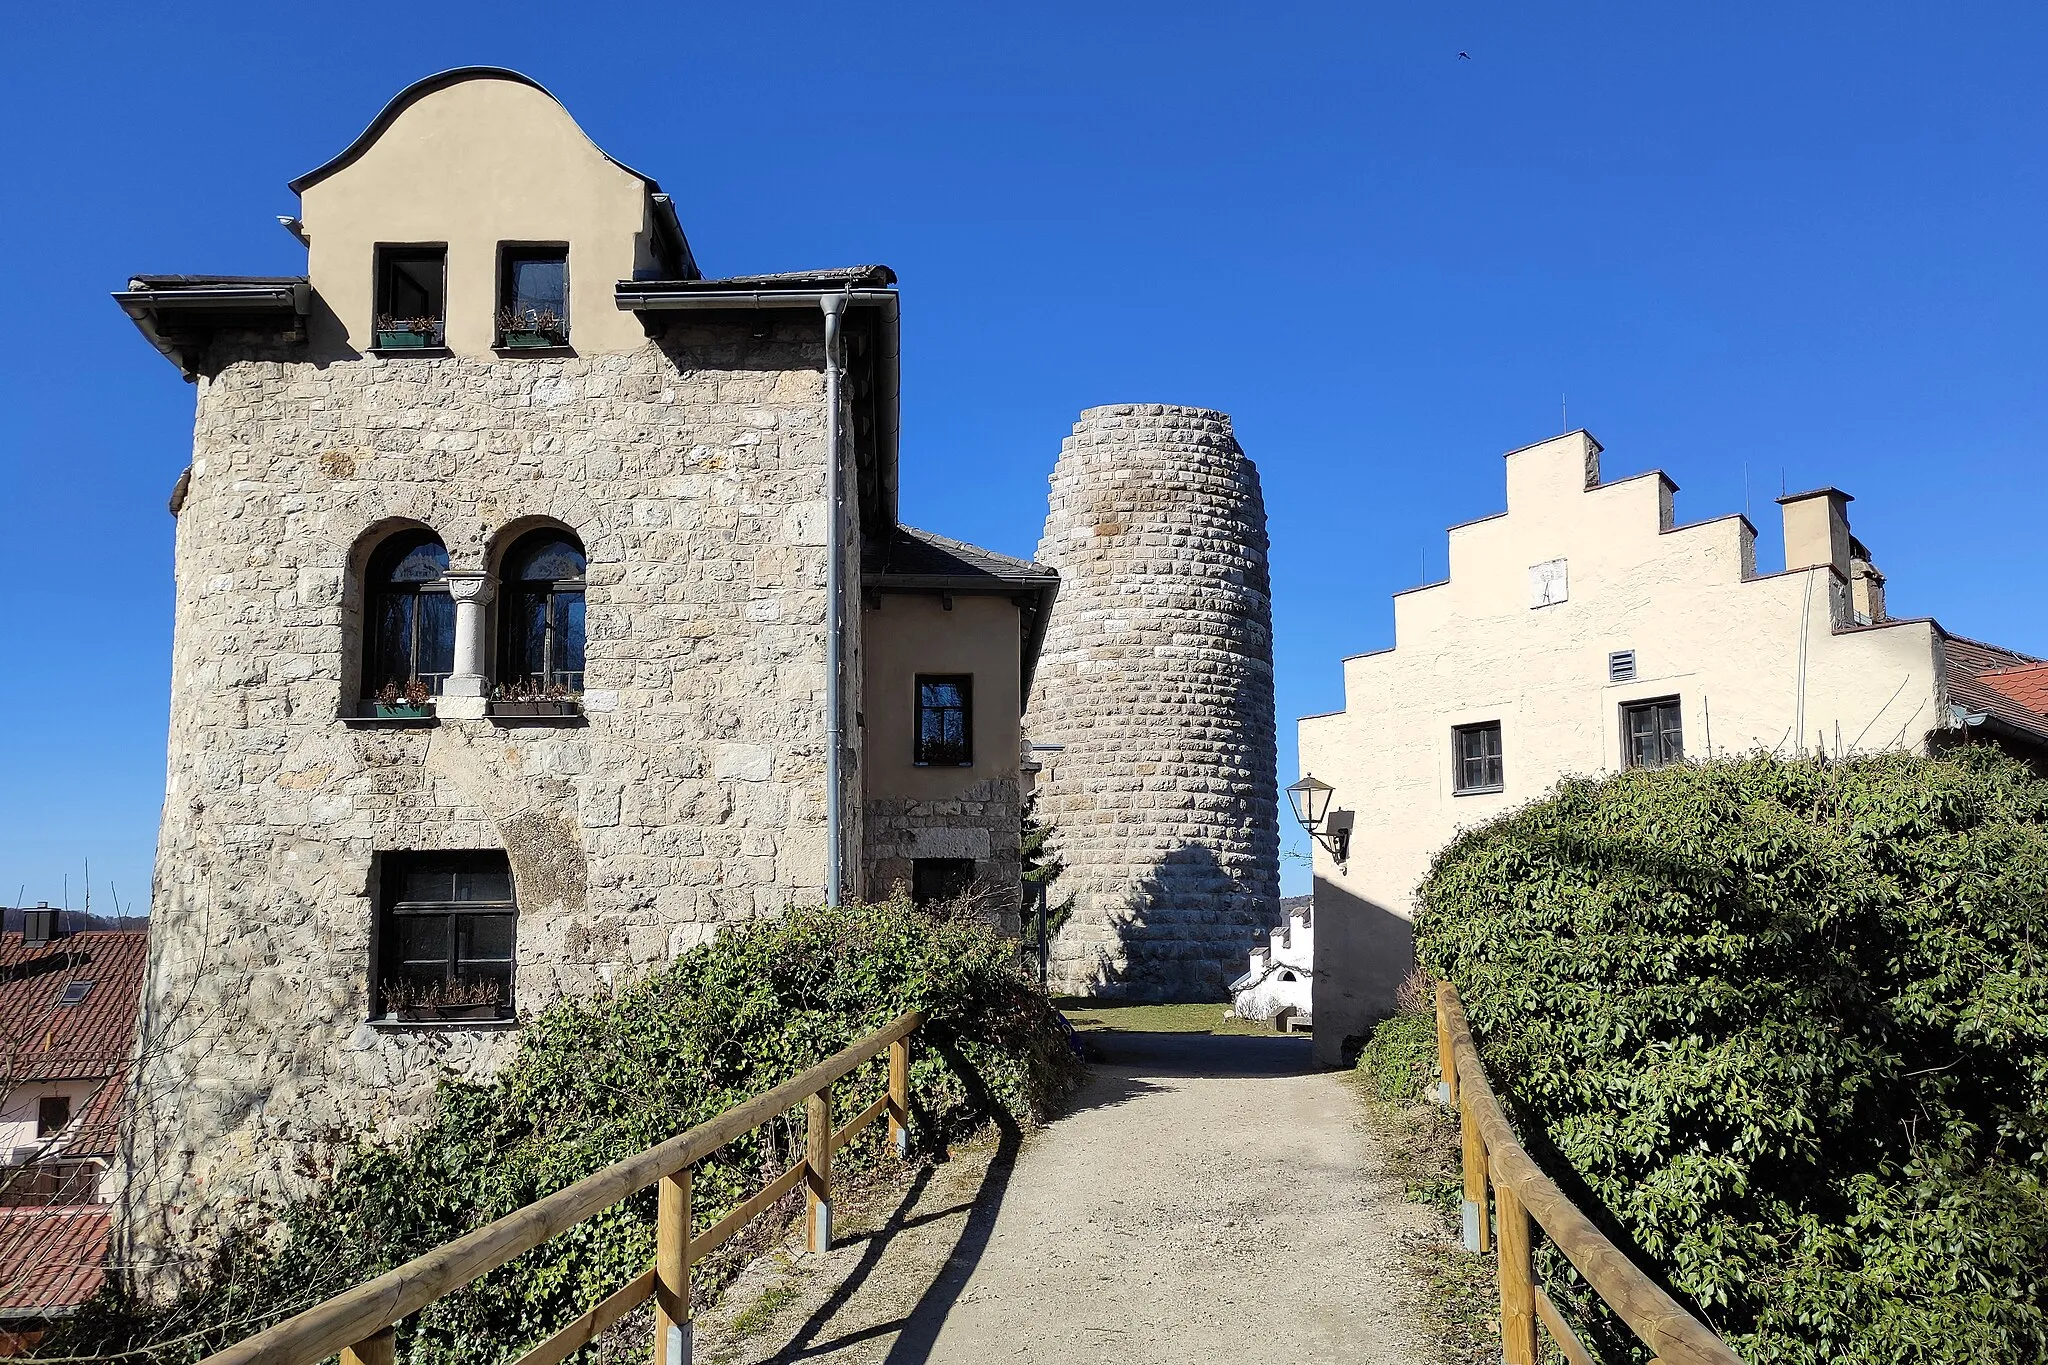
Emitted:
<point x="1156" y="680"/>
<point x="540" y="607"/>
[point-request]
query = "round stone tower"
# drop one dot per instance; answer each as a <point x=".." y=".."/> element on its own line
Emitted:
<point x="1156" y="678"/>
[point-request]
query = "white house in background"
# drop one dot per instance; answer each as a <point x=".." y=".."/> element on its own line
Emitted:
<point x="1281" y="974"/>
<point x="1582" y="630"/>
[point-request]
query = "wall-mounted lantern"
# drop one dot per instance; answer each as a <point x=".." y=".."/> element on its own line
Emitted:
<point x="1311" y="801"/>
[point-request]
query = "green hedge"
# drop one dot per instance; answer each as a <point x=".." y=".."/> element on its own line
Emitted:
<point x="1788" y="1023"/>
<point x="595" y="1081"/>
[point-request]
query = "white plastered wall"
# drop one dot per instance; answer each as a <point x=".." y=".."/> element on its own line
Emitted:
<point x="1756" y="662"/>
<point x="472" y="165"/>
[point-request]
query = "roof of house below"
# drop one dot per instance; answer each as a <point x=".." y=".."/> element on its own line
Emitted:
<point x="51" y="1259"/>
<point x="2001" y="684"/>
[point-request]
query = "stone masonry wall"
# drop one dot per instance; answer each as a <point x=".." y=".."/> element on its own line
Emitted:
<point x="692" y="797"/>
<point x="1157" y="677"/>
<point x="984" y="822"/>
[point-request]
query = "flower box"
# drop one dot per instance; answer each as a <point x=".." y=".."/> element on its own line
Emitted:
<point x="529" y="339"/>
<point x="405" y="339"/>
<point x="536" y="708"/>
<point x="400" y="711"/>
<point x="440" y="1014"/>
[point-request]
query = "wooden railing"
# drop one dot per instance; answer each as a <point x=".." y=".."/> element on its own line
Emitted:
<point x="1521" y="1191"/>
<point x="361" y="1323"/>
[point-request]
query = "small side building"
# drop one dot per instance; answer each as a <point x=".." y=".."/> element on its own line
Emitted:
<point x="1584" y="630"/>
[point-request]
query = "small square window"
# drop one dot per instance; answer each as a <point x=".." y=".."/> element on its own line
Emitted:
<point x="411" y="297"/>
<point x="446" y="932"/>
<point x="933" y="880"/>
<point x="1652" y="733"/>
<point x="533" y="296"/>
<point x="1476" y="758"/>
<point x="52" y="1113"/>
<point x="75" y="993"/>
<point x="945" y="721"/>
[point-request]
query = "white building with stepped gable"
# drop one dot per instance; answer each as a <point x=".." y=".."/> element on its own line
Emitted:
<point x="1584" y="630"/>
<point x="1281" y="977"/>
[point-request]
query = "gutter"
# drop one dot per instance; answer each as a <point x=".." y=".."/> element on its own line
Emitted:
<point x="833" y="306"/>
<point x="146" y="307"/>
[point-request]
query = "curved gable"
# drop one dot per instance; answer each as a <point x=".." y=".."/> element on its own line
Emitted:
<point x="472" y="160"/>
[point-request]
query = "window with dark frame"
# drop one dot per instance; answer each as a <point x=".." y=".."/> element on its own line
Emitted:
<point x="945" y="720"/>
<point x="933" y="880"/>
<point x="540" y="619"/>
<point x="411" y="296"/>
<point x="446" y="926"/>
<point x="52" y="1113"/>
<point x="1652" y="733"/>
<point x="533" y="296"/>
<point x="409" y="622"/>
<point x="1476" y="756"/>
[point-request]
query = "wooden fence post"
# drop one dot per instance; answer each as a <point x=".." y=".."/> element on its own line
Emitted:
<point x="899" y="1096"/>
<point x="379" y="1349"/>
<point x="1517" y="1281"/>
<point x="1446" y="1058"/>
<point x="818" y="1169"/>
<point x="674" y="1332"/>
<point x="1476" y="1236"/>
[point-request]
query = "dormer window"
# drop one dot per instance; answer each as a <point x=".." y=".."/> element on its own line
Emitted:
<point x="412" y="293"/>
<point x="533" y="296"/>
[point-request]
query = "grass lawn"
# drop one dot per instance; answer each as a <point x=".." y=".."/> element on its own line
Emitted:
<point x="1089" y="1016"/>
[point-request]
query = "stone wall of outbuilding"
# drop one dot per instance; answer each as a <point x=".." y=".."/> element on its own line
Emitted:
<point x="689" y="797"/>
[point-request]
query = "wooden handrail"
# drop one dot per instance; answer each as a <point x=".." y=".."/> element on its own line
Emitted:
<point x="357" y="1316"/>
<point x="1522" y="1191"/>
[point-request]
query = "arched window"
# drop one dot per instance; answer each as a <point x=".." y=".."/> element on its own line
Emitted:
<point x="411" y="619"/>
<point x="540" y="631"/>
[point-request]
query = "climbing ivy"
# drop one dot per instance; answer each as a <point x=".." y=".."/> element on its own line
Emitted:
<point x="598" y="1080"/>
<point x="1787" y="1023"/>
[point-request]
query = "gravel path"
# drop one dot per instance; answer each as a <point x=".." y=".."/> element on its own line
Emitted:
<point x="1203" y="1198"/>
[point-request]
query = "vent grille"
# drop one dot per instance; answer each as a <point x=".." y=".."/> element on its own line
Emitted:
<point x="1621" y="666"/>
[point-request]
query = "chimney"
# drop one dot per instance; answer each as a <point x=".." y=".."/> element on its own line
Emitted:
<point x="1866" y="585"/>
<point x="1817" y="531"/>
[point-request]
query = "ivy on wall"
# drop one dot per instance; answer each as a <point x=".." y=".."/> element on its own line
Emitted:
<point x="598" y="1080"/>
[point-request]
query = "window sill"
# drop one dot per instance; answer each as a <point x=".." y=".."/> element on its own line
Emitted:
<point x="401" y="352"/>
<point x="540" y="352"/>
<point x="920" y="763"/>
<point x="390" y="722"/>
<point x="1479" y="791"/>
<point x="443" y="1025"/>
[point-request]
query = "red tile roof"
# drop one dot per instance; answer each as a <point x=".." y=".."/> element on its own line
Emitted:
<point x="51" y="1259"/>
<point x="43" y="1039"/>
<point x="2026" y="684"/>
<point x="2002" y="683"/>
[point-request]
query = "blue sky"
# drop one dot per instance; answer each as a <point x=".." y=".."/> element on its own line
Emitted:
<point x="1749" y="244"/>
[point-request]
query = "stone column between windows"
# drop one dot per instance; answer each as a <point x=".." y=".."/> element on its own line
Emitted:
<point x="465" y="695"/>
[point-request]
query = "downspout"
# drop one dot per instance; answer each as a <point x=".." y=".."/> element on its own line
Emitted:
<point x="834" y="306"/>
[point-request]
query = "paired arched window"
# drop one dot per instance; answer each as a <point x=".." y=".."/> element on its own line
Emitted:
<point x="411" y="618"/>
<point x="540" y="616"/>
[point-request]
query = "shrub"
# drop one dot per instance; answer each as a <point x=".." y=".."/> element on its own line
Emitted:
<point x="1787" y="1022"/>
<point x="598" y="1080"/>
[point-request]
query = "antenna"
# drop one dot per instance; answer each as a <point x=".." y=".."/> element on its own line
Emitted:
<point x="1564" y="414"/>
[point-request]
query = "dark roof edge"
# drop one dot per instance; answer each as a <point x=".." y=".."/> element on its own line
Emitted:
<point x="419" y="90"/>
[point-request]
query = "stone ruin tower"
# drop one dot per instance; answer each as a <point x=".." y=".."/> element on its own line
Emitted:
<point x="1157" y="679"/>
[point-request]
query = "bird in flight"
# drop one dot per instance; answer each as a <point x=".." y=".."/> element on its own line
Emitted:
<point x="1464" y="56"/>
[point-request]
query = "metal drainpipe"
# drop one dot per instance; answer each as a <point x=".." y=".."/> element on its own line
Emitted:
<point x="834" y="305"/>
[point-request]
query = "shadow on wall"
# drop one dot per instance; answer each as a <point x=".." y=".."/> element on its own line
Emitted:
<point x="1182" y="934"/>
<point x="1363" y="952"/>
